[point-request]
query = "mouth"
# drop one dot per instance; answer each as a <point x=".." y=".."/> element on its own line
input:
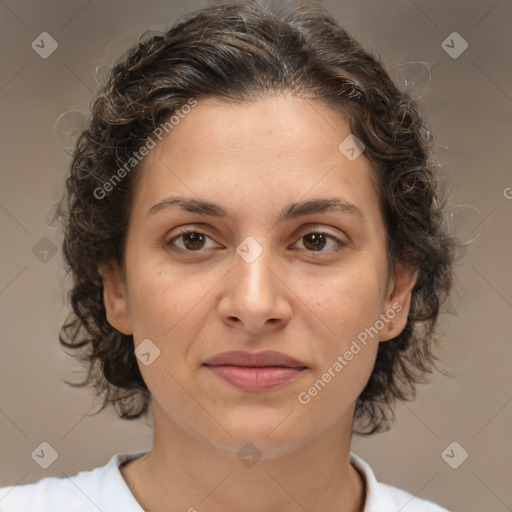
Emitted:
<point x="259" y="371"/>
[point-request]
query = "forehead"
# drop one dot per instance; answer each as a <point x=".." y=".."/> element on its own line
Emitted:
<point x="274" y="123"/>
<point x="277" y="149"/>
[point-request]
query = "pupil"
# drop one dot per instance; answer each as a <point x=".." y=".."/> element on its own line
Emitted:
<point x="317" y="237"/>
<point x="191" y="237"/>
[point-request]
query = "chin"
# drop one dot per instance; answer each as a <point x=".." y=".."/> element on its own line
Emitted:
<point x="268" y="438"/>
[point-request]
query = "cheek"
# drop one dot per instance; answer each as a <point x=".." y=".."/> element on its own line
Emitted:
<point x="349" y="302"/>
<point x="349" y="306"/>
<point x="169" y="306"/>
<point x="164" y="298"/>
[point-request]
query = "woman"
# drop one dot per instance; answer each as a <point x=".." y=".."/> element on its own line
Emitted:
<point x="258" y="253"/>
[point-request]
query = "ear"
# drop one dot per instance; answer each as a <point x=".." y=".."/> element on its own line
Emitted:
<point x="115" y="298"/>
<point x="398" y="301"/>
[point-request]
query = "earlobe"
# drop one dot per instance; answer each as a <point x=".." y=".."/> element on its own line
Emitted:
<point x="114" y="298"/>
<point x="398" y="301"/>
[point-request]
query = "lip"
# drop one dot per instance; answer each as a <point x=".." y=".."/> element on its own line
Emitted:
<point x="250" y="378"/>
<point x="255" y="371"/>
<point x="255" y="359"/>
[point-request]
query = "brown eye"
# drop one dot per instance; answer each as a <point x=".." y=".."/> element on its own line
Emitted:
<point x="194" y="241"/>
<point x="191" y="241"/>
<point x="317" y="241"/>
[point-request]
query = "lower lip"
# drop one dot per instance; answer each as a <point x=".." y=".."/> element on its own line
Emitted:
<point x="251" y="378"/>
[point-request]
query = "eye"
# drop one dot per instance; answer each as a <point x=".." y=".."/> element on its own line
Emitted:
<point x="316" y="241"/>
<point x="192" y="240"/>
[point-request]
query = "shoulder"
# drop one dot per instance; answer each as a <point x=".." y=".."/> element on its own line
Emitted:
<point x="102" y="488"/>
<point x="381" y="497"/>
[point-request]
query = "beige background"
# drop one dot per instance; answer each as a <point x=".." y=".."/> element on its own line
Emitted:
<point x="469" y="104"/>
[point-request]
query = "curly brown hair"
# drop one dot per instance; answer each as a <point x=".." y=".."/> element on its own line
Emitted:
<point x="239" y="52"/>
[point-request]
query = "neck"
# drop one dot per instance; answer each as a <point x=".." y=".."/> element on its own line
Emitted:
<point x="184" y="472"/>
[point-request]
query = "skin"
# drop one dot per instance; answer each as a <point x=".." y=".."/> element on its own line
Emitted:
<point x="253" y="159"/>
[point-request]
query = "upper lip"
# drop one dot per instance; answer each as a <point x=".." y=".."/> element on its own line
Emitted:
<point x="261" y="359"/>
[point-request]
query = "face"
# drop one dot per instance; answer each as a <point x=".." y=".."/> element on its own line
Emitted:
<point x="305" y="281"/>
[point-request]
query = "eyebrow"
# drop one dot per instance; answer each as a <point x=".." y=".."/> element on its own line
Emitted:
<point x="290" y="211"/>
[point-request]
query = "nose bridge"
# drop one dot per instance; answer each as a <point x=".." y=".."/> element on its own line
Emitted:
<point x="254" y="294"/>
<point x="253" y="278"/>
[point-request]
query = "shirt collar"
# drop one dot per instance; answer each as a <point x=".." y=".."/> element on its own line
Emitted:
<point x="377" y="498"/>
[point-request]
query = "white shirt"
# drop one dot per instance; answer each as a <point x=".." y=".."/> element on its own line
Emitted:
<point x="104" y="489"/>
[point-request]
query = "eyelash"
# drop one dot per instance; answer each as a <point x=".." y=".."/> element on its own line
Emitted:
<point x="170" y="242"/>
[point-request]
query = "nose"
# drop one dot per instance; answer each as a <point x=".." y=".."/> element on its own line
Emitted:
<point x="255" y="295"/>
